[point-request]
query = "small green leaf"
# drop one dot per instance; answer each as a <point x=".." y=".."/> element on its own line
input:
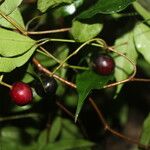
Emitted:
<point x="142" y="40"/>
<point x="44" y="5"/>
<point x="8" y="6"/>
<point x="124" y="68"/>
<point x="105" y="7"/>
<point x="42" y="140"/>
<point x="28" y="76"/>
<point x="69" y="130"/>
<point x="68" y="144"/>
<point x="145" y="138"/>
<point x="16" y="16"/>
<point x="142" y="11"/>
<point x="83" y="32"/>
<point x="55" y="129"/>
<point x="85" y="82"/>
<point x="13" y="44"/>
<point x="8" y="64"/>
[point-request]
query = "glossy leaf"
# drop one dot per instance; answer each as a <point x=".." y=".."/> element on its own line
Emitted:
<point x="142" y="40"/>
<point x="8" y="6"/>
<point x="16" y="16"/>
<point x="8" y="64"/>
<point x="123" y="67"/>
<point x="44" y="5"/>
<point x="13" y="44"/>
<point x="105" y="7"/>
<point x="85" y="82"/>
<point x="83" y="32"/>
<point x="145" y="138"/>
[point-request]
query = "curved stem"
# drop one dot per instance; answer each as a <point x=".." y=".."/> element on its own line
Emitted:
<point x="48" y="31"/>
<point x="100" y="115"/>
<point x="5" y="84"/>
<point x="10" y="20"/>
<point x="100" y="41"/>
<point x="130" y="77"/>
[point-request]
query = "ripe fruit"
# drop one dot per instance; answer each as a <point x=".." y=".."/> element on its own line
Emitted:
<point x="21" y="93"/>
<point x="104" y="64"/>
<point x="45" y="86"/>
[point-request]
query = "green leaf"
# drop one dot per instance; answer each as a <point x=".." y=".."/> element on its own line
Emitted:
<point x="85" y="82"/>
<point x="16" y="16"/>
<point x="8" y="64"/>
<point x="145" y="138"/>
<point x="42" y="140"/>
<point x="68" y="144"/>
<point x="142" y="11"/>
<point x="69" y="130"/>
<point x="124" y="67"/>
<point x="13" y="44"/>
<point x="44" y="5"/>
<point x="83" y="32"/>
<point x="28" y="76"/>
<point x="8" y="6"/>
<point x="55" y="129"/>
<point x="142" y="40"/>
<point x="105" y="7"/>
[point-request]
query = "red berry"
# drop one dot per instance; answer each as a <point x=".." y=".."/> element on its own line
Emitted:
<point x="104" y="64"/>
<point x="21" y="93"/>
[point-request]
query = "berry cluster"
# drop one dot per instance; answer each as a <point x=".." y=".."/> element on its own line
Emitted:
<point x="21" y="93"/>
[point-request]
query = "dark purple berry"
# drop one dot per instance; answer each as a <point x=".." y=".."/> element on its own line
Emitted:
<point x="45" y="86"/>
<point x="21" y="93"/>
<point x="104" y="64"/>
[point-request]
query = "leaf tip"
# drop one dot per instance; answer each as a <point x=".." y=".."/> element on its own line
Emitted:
<point x="76" y="117"/>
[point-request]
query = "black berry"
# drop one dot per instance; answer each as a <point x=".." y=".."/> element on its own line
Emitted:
<point x="21" y="93"/>
<point x="104" y="64"/>
<point x="45" y="86"/>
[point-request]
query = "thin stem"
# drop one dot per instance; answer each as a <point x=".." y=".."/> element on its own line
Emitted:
<point x="5" y="84"/>
<point x="43" y="69"/>
<point x="46" y="53"/>
<point x="72" y="116"/>
<point x="140" y="80"/>
<point x="10" y="20"/>
<point x="78" y="49"/>
<point x="114" y="132"/>
<point x="49" y="54"/>
<point x="130" y="77"/>
<point x="99" y="113"/>
<point x="48" y="31"/>
<point x="31" y="115"/>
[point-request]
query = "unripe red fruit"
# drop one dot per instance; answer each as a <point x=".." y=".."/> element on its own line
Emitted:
<point x="21" y="93"/>
<point x="104" y="64"/>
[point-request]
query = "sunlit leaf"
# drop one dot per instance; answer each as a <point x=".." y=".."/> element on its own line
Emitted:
<point x="8" y="64"/>
<point x="8" y="6"/>
<point x="83" y="32"/>
<point x="142" y="11"/>
<point x="142" y="40"/>
<point x="123" y="67"/>
<point x="13" y="44"/>
<point x="16" y="16"/>
<point x="44" y="5"/>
